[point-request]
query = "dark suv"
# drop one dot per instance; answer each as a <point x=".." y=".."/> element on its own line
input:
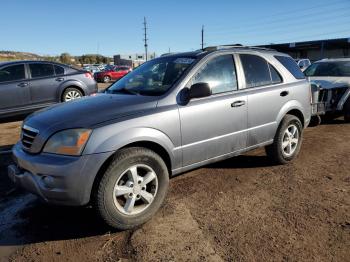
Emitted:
<point x="26" y="86"/>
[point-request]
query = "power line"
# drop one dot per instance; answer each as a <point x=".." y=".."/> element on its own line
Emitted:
<point x="145" y="37"/>
<point x="279" y="22"/>
<point x="285" y="29"/>
<point x="303" y="38"/>
<point x="295" y="14"/>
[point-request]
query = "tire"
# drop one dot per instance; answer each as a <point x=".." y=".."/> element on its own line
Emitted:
<point x="278" y="152"/>
<point x="315" y="121"/>
<point x="106" y="79"/>
<point x="119" y="211"/>
<point x="71" y="93"/>
<point x="347" y="111"/>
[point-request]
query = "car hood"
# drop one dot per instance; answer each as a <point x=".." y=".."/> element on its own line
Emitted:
<point x="89" y="111"/>
<point x="330" y="82"/>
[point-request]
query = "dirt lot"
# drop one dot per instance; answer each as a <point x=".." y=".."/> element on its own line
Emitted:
<point x="241" y="209"/>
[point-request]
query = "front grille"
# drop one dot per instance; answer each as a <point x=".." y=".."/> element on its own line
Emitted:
<point x="27" y="137"/>
<point x="323" y="95"/>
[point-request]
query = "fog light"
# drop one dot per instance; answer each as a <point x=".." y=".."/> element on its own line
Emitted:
<point x="48" y="181"/>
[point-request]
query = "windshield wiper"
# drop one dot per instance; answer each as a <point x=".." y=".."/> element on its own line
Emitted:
<point x="123" y="91"/>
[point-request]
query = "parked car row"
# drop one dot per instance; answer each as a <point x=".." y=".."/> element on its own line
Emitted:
<point x="94" y="68"/>
<point x="112" y="73"/>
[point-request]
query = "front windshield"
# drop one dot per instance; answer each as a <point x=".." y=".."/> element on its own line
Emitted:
<point x="153" y="78"/>
<point x="339" y="68"/>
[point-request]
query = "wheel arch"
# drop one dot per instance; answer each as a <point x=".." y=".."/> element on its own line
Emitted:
<point x="70" y="84"/>
<point x="155" y="147"/>
<point x="292" y="108"/>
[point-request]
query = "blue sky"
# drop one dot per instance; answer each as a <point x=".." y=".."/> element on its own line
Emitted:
<point x="112" y="27"/>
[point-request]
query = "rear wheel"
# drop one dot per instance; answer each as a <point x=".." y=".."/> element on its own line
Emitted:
<point x="132" y="189"/>
<point x="106" y="79"/>
<point x="71" y="93"/>
<point x="287" y="141"/>
<point x="347" y="111"/>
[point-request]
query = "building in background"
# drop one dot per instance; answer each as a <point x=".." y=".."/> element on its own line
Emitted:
<point x="315" y="50"/>
<point x="133" y="60"/>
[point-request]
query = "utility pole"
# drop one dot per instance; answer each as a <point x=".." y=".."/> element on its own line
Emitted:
<point x="145" y="36"/>
<point x="202" y="37"/>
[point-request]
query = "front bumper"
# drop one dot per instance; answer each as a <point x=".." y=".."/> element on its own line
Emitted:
<point x="56" y="179"/>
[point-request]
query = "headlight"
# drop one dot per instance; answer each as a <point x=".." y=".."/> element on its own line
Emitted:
<point x="68" y="142"/>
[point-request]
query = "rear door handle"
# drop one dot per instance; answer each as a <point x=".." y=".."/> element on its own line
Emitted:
<point x="59" y="79"/>
<point x="22" y="84"/>
<point x="284" y="93"/>
<point x="238" y="104"/>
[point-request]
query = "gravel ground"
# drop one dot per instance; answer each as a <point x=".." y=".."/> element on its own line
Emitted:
<point x="241" y="209"/>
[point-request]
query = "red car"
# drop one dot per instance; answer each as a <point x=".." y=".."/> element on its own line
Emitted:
<point x="113" y="73"/>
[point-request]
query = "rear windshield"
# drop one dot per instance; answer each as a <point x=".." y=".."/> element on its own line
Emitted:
<point x="291" y="66"/>
<point x="339" y="68"/>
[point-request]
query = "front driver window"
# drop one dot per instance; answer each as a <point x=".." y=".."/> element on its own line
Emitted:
<point x="12" y="73"/>
<point x="219" y="73"/>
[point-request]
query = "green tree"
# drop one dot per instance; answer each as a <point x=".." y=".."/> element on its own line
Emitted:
<point x="65" y="58"/>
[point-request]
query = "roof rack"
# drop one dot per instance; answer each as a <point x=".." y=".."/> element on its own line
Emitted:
<point x="223" y="47"/>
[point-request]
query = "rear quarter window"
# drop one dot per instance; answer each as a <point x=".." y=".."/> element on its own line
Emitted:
<point x="59" y="70"/>
<point x="291" y="66"/>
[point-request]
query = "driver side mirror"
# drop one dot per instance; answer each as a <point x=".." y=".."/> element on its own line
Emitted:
<point x="199" y="90"/>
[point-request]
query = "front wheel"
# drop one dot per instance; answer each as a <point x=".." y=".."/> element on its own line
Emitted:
<point x="106" y="79"/>
<point x="132" y="189"/>
<point x="287" y="141"/>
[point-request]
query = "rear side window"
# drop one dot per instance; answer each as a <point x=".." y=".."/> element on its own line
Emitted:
<point x="219" y="73"/>
<point x="275" y="76"/>
<point x="12" y="73"/>
<point x="41" y="70"/>
<point x="258" y="72"/>
<point x="59" y="70"/>
<point x="291" y="66"/>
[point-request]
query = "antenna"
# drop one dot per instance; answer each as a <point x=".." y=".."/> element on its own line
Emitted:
<point x="145" y="37"/>
<point x="202" y="37"/>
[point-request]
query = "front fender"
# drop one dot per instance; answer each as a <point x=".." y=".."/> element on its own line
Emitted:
<point x="108" y="140"/>
<point x="343" y="100"/>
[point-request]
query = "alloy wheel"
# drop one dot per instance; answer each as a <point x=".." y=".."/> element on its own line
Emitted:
<point x="135" y="190"/>
<point x="71" y="95"/>
<point x="290" y="140"/>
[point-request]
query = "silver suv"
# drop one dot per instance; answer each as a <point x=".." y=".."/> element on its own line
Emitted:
<point x="172" y="114"/>
<point x="332" y="94"/>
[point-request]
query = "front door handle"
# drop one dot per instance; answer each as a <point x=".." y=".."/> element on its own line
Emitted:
<point x="59" y="79"/>
<point x="23" y="84"/>
<point x="284" y="93"/>
<point x="238" y="104"/>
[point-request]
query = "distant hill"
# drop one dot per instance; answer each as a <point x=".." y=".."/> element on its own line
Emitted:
<point x="65" y="58"/>
<point x="11" y="55"/>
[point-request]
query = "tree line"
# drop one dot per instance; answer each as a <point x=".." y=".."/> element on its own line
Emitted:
<point x="66" y="58"/>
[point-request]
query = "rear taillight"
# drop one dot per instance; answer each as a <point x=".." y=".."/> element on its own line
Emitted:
<point x="88" y="75"/>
